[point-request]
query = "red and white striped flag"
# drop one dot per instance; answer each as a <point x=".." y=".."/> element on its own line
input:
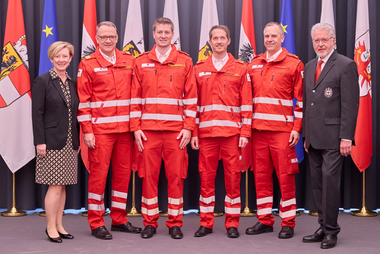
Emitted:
<point x="362" y="151"/>
<point x="16" y="133"/>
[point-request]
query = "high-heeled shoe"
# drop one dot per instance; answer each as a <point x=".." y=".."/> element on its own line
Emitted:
<point x="53" y="239"/>
<point x="65" y="236"/>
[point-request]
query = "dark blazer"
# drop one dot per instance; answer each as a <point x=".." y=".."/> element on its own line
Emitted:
<point x="50" y="112"/>
<point x="330" y="107"/>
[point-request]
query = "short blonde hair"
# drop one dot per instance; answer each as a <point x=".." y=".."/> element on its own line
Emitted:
<point x="57" y="46"/>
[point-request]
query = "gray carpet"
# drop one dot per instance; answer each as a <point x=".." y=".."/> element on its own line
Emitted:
<point x="26" y="235"/>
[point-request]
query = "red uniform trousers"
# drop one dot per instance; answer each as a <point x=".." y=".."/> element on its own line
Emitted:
<point x="162" y="144"/>
<point x="271" y="148"/>
<point x="208" y="165"/>
<point x="118" y="148"/>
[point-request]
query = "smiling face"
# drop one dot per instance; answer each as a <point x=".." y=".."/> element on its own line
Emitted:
<point x="61" y="60"/>
<point x="273" y="39"/>
<point x="163" y="35"/>
<point x="219" y="41"/>
<point x="323" y="42"/>
<point x="107" y="39"/>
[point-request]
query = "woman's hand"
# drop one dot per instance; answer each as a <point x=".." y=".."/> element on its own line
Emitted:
<point x="41" y="149"/>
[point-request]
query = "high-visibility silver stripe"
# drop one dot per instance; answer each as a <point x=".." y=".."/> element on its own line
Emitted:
<point x="167" y="101"/>
<point x="84" y="118"/>
<point x="96" y="197"/>
<point x="118" y="205"/>
<point x="219" y="107"/>
<point x="166" y="117"/>
<point x="219" y="123"/>
<point x="264" y="211"/>
<point x="196" y="120"/>
<point x="190" y="101"/>
<point x="135" y="114"/>
<point x="175" y="212"/>
<point x="288" y="202"/>
<point x="299" y="104"/>
<point x="190" y="113"/>
<point x="110" y="119"/>
<point x="246" y="121"/>
<point x="149" y="212"/>
<point x="274" y="101"/>
<point x="94" y="207"/>
<point x="288" y="214"/>
<point x="136" y="100"/>
<point x="230" y="210"/>
<point x="150" y="201"/>
<point x="273" y="117"/>
<point x="261" y="201"/>
<point x="206" y="209"/>
<point x="232" y="201"/>
<point x="84" y="105"/>
<point x="298" y="114"/>
<point x="246" y="107"/>
<point x="113" y="103"/>
<point x="207" y="200"/>
<point x="175" y="201"/>
<point x="119" y="194"/>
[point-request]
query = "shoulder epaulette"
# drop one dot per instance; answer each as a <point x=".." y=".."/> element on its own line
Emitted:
<point x="257" y="56"/>
<point x="292" y="55"/>
<point x="239" y="61"/>
<point x="87" y="57"/>
<point x="182" y="52"/>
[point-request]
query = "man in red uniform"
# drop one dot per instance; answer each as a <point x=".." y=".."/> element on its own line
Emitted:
<point x="276" y="79"/>
<point x="104" y="88"/>
<point x="223" y="125"/>
<point x="163" y="110"/>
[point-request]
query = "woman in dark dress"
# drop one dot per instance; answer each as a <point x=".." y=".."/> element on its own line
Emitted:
<point x="55" y="128"/>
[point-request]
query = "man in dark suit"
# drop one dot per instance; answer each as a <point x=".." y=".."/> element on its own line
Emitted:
<point x="331" y="102"/>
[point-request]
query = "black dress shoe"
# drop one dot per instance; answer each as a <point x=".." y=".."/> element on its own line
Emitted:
<point x="53" y="239"/>
<point x="203" y="231"/>
<point x="101" y="233"/>
<point x="175" y="232"/>
<point x="148" y="231"/>
<point x="316" y="237"/>
<point x="126" y="227"/>
<point x="232" y="232"/>
<point x="329" y="241"/>
<point x="286" y="232"/>
<point x="65" y="236"/>
<point x="258" y="228"/>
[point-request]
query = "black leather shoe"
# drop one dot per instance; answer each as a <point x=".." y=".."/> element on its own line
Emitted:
<point x="203" y="231"/>
<point x="175" y="232"/>
<point x="258" y="228"/>
<point x="329" y="241"/>
<point x="101" y="233"/>
<point x="65" y="236"/>
<point x="53" y="239"/>
<point x="126" y="227"/>
<point x="316" y="237"/>
<point x="286" y="232"/>
<point x="232" y="232"/>
<point x="148" y="231"/>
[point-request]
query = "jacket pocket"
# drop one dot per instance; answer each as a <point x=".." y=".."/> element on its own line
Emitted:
<point x="292" y="163"/>
<point x="332" y="121"/>
<point x="51" y="124"/>
<point x="93" y="155"/>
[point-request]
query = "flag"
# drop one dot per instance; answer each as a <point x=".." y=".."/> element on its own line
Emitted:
<point x="290" y="45"/>
<point x="247" y="50"/>
<point x="327" y="14"/>
<point x="362" y="151"/>
<point x="16" y="133"/>
<point x="48" y="36"/>
<point x="209" y="19"/>
<point x="89" y="28"/>
<point x="171" y="12"/>
<point x="133" y="34"/>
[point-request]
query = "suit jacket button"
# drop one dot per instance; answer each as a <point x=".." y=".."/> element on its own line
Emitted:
<point x="312" y="104"/>
<point x="313" y="91"/>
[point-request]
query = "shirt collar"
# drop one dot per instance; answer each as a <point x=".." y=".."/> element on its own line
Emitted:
<point x="326" y="57"/>
<point x="111" y="59"/>
<point x="270" y="59"/>
<point x="219" y="63"/>
<point x="163" y="57"/>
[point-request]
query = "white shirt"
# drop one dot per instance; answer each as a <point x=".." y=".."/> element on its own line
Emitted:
<point x="325" y="59"/>
<point x="111" y="59"/>
<point x="219" y="63"/>
<point x="270" y="59"/>
<point x="164" y="56"/>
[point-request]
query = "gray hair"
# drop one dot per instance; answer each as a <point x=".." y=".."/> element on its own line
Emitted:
<point x="275" y="24"/>
<point x="323" y="26"/>
<point x="105" y="23"/>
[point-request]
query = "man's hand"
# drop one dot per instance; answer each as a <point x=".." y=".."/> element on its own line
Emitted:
<point x="139" y="137"/>
<point x="186" y="135"/>
<point x="195" y="143"/>
<point x="304" y="146"/>
<point x="243" y="141"/>
<point x="294" y="138"/>
<point x="89" y="140"/>
<point x="345" y="147"/>
<point x="41" y="149"/>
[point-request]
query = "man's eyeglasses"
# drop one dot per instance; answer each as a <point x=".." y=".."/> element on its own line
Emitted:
<point x="110" y="37"/>
<point x="323" y="40"/>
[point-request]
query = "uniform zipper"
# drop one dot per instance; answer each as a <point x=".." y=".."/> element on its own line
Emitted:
<point x="224" y="86"/>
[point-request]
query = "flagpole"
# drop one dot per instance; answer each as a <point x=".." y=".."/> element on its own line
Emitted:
<point x="13" y="212"/>
<point x="246" y="212"/>
<point x="134" y="212"/>
<point x="363" y="212"/>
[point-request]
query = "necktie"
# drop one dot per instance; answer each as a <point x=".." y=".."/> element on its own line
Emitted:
<point x="318" y="71"/>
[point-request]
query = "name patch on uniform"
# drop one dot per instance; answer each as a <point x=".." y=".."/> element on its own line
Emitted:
<point x="128" y="67"/>
<point x="79" y="72"/>
<point x="257" y="66"/>
<point x="248" y="78"/>
<point x="176" y="65"/>
<point x="204" y="73"/>
<point x="100" y="69"/>
<point x="232" y="74"/>
<point x="147" y="65"/>
<point x="328" y="92"/>
<point x="295" y="160"/>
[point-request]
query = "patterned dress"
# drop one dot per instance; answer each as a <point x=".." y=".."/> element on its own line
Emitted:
<point x="59" y="167"/>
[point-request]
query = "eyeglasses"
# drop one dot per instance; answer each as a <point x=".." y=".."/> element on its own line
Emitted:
<point x="110" y="37"/>
<point x="323" y="40"/>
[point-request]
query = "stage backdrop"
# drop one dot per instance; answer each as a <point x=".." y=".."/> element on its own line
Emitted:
<point x="305" y="13"/>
